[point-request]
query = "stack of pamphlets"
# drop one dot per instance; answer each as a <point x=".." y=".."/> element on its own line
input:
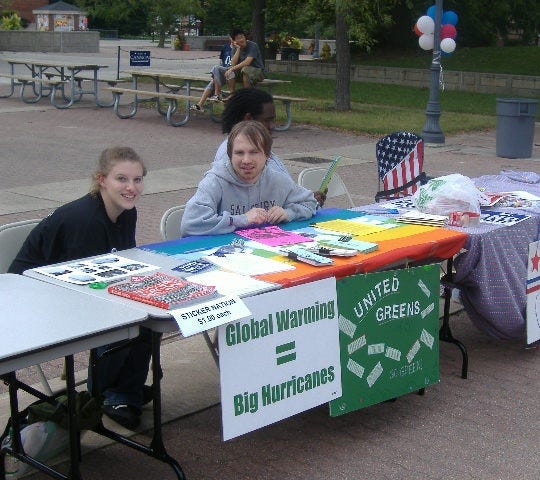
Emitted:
<point x="163" y="291"/>
<point x="419" y="218"/>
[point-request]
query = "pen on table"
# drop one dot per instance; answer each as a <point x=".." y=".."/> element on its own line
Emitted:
<point x="194" y="250"/>
<point x="388" y="211"/>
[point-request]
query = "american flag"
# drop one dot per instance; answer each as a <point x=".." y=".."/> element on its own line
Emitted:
<point x="400" y="158"/>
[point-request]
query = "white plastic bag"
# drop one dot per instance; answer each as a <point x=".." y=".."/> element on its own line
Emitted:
<point x="450" y="193"/>
<point x="41" y="440"/>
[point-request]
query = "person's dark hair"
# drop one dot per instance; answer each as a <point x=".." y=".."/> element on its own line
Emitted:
<point x="237" y="31"/>
<point x="242" y="102"/>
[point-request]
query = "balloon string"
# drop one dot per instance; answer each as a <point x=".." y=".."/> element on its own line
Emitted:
<point x="441" y="79"/>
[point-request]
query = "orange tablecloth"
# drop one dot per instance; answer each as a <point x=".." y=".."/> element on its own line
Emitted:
<point x="407" y="243"/>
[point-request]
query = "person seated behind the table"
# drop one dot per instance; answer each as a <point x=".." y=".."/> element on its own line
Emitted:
<point x="100" y="222"/>
<point x="247" y="64"/>
<point x="253" y="104"/>
<point x="243" y="191"/>
<point x="218" y="75"/>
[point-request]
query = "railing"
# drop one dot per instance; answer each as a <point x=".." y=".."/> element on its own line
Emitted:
<point x="106" y="34"/>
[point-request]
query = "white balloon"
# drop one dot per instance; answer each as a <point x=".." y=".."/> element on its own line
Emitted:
<point x="426" y="24"/>
<point x="448" y="45"/>
<point x="426" y="41"/>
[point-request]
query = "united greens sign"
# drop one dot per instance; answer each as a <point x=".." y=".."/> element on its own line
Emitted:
<point x="388" y="335"/>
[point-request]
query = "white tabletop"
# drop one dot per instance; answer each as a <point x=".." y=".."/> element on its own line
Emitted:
<point x="40" y="322"/>
<point x="159" y="319"/>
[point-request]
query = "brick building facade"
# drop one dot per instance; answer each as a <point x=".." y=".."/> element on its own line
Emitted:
<point x="24" y="8"/>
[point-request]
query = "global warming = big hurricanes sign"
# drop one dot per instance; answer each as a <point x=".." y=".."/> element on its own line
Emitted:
<point x="282" y="360"/>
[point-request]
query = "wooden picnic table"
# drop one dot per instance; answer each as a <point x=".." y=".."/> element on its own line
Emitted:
<point x="47" y="77"/>
<point x="172" y="87"/>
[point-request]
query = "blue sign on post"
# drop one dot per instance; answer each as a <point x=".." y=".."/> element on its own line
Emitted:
<point x="139" y="58"/>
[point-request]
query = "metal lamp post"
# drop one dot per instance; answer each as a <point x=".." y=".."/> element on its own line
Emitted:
<point x="432" y="132"/>
<point x="316" y="41"/>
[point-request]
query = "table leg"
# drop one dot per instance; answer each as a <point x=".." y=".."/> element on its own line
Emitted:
<point x="37" y="89"/>
<point x="73" y="430"/>
<point x="288" y="121"/>
<point x="96" y="92"/>
<point x="11" y="83"/>
<point x="16" y="448"/>
<point x="171" y="107"/>
<point x="445" y="333"/>
<point x="157" y="447"/>
<point x="69" y="100"/>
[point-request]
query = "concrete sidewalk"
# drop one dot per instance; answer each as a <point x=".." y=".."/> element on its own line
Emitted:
<point x="485" y="427"/>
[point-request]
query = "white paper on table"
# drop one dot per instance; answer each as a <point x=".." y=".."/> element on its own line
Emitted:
<point x="104" y="268"/>
<point x="231" y="283"/>
<point x="248" y="264"/>
<point x="524" y="195"/>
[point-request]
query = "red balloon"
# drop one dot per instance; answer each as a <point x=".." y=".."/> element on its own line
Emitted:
<point x="448" y="31"/>
<point x="418" y="32"/>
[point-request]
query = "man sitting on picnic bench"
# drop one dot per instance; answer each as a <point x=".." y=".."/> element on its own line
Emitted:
<point x="246" y="61"/>
<point x="218" y="75"/>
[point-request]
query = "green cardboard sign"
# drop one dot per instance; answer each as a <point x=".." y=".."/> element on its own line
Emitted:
<point x="388" y="335"/>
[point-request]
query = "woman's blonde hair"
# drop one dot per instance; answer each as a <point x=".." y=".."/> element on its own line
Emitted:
<point x="108" y="159"/>
<point x="255" y="132"/>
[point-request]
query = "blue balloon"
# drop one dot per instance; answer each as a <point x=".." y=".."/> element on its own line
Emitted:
<point x="431" y="11"/>
<point x="449" y="17"/>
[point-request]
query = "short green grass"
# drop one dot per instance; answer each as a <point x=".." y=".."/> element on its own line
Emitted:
<point x="514" y="60"/>
<point x="377" y="108"/>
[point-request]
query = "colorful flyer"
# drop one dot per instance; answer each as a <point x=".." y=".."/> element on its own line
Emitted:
<point x="273" y="236"/>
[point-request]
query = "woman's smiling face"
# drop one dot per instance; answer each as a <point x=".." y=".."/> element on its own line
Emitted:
<point x="121" y="187"/>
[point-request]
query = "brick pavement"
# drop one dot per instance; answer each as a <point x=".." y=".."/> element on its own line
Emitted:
<point x="485" y="427"/>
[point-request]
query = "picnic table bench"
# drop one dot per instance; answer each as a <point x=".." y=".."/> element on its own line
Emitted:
<point x="56" y="76"/>
<point x="174" y="87"/>
<point x="37" y="84"/>
<point x="170" y="97"/>
<point x="284" y="99"/>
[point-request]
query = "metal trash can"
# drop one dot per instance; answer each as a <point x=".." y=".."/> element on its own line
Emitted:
<point x="515" y="127"/>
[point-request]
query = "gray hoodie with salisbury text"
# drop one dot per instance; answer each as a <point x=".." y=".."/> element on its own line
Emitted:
<point x="222" y="199"/>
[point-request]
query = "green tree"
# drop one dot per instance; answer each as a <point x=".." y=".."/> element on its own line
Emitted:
<point x="481" y="23"/>
<point x="343" y="57"/>
<point x="167" y="15"/>
<point x="10" y="22"/>
<point x="127" y="16"/>
<point x="258" y="23"/>
<point x="357" y="22"/>
<point x="221" y="17"/>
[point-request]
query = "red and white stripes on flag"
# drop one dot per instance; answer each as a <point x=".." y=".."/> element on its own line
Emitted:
<point x="406" y="170"/>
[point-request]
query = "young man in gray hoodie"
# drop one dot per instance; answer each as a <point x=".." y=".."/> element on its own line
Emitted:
<point x="243" y="192"/>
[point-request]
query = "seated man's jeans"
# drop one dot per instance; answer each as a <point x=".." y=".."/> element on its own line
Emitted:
<point x="218" y="73"/>
<point x="118" y="377"/>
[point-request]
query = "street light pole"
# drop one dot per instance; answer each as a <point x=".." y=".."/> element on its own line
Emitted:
<point x="316" y="41"/>
<point x="432" y="132"/>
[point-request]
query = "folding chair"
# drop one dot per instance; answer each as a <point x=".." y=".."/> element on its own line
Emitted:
<point x="169" y="226"/>
<point x="312" y="177"/>
<point x="12" y="236"/>
<point x="400" y="160"/>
